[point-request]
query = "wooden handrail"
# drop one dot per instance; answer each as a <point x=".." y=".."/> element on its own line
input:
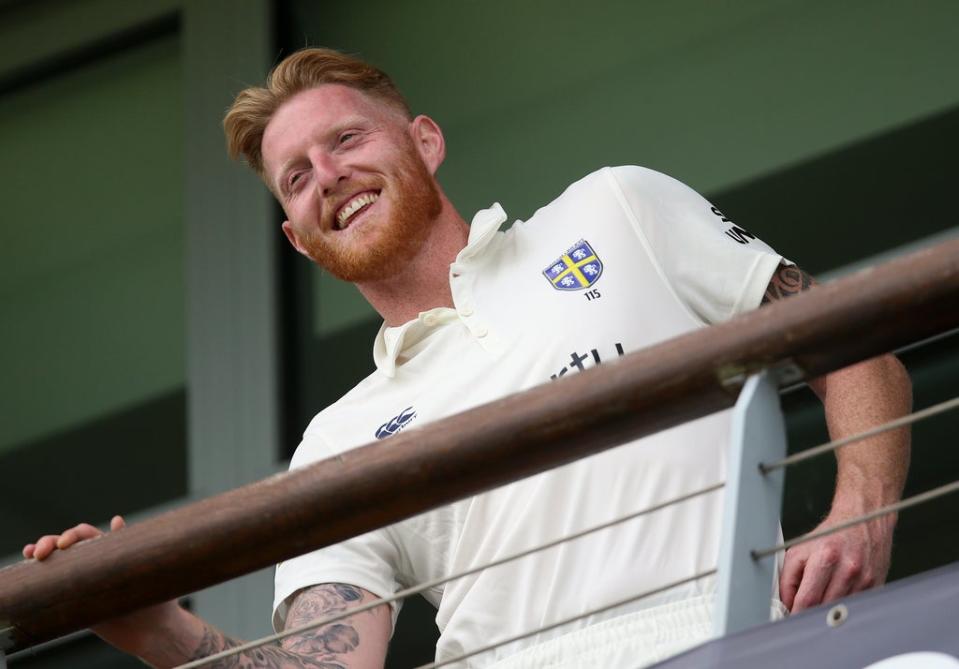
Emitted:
<point x="255" y="526"/>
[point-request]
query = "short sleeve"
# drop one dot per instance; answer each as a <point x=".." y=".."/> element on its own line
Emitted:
<point x="717" y="268"/>
<point x="367" y="561"/>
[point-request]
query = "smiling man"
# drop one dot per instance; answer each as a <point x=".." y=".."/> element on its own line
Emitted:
<point x="624" y="258"/>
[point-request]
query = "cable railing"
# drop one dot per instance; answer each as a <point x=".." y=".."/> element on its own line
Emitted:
<point x="428" y="585"/>
<point x="186" y="549"/>
<point x="755" y="554"/>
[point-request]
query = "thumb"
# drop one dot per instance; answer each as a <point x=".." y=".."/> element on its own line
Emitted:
<point x="117" y="523"/>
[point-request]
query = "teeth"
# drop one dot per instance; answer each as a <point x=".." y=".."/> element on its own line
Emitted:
<point x="353" y="205"/>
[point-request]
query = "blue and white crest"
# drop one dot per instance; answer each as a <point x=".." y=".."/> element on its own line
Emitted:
<point x="576" y="269"/>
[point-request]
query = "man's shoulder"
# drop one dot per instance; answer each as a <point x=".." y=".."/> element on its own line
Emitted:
<point x="343" y="425"/>
<point x="611" y="181"/>
<point x="645" y="180"/>
<point x="625" y="175"/>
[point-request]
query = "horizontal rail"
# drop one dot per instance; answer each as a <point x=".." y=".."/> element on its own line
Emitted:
<point x="255" y="526"/>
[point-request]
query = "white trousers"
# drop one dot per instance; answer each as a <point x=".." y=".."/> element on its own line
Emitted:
<point x="631" y="641"/>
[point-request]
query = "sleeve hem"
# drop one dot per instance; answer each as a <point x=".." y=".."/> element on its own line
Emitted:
<point x="756" y="282"/>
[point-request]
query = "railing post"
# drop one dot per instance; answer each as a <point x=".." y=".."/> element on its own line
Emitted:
<point x="751" y="513"/>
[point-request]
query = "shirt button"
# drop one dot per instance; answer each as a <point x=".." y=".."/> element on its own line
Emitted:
<point x="481" y="332"/>
<point x="466" y="310"/>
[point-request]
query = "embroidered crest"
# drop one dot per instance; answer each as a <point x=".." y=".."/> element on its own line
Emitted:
<point x="576" y="269"/>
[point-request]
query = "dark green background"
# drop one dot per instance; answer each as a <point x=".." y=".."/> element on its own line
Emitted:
<point x="828" y="129"/>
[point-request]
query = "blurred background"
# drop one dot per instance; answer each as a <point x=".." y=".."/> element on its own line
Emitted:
<point x="160" y="343"/>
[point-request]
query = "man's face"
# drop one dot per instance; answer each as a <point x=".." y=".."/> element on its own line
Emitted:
<point x="357" y="195"/>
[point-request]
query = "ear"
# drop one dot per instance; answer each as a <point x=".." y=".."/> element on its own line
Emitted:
<point x="291" y="235"/>
<point x="429" y="141"/>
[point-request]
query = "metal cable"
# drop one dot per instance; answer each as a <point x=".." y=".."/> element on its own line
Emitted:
<point x="925" y="342"/>
<point x="417" y="589"/>
<point x="43" y="647"/>
<point x="927" y="496"/>
<point x="572" y="619"/>
<point x="928" y="412"/>
<point x="908" y="348"/>
<point x="6" y="633"/>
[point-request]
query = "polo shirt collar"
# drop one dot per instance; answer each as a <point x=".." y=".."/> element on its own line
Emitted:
<point x="392" y="342"/>
<point x="484" y="226"/>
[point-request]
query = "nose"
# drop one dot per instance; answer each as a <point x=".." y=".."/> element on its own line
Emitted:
<point x="328" y="171"/>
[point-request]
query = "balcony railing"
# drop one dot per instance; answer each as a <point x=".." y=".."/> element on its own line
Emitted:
<point x="749" y="358"/>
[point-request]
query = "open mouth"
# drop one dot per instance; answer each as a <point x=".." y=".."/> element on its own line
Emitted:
<point x="354" y="207"/>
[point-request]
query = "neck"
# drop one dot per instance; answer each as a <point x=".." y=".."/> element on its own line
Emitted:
<point x="424" y="283"/>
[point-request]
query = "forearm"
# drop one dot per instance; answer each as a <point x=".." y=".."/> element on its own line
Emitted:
<point x="174" y="636"/>
<point x="871" y="473"/>
<point x="166" y="635"/>
<point x="190" y="638"/>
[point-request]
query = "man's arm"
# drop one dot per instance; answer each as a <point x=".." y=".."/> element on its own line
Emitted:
<point x="166" y="635"/>
<point x="870" y="473"/>
<point x="357" y="642"/>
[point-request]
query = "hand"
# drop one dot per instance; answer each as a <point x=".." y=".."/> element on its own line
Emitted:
<point x="836" y="565"/>
<point x="129" y="633"/>
<point x="47" y="544"/>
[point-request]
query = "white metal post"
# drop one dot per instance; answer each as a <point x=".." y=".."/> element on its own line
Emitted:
<point x="753" y="502"/>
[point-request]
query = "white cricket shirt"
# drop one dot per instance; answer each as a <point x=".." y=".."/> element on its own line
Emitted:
<point x="623" y="259"/>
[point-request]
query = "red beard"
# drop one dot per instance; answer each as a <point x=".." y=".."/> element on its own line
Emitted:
<point x="381" y="248"/>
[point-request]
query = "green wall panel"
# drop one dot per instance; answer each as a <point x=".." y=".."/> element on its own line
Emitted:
<point x="533" y="95"/>
<point x="91" y="262"/>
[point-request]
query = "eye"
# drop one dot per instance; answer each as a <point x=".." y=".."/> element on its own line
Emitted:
<point x="346" y="137"/>
<point x="293" y="179"/>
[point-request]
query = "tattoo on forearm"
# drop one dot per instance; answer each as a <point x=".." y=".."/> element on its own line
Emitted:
<point x="788" y="280"/>
<point x="322" y="648"/>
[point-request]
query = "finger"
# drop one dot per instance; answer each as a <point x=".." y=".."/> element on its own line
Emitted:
<point x="45" y="546"/>
<point x="28" y="550"/>
<point x="117" y="523"/>
<point x="791" y="576"/>
<point x="816" y="577"/>
<point x="79" y="533"/>
<point x="838" y="587"/>
<point x="845" y="580"/>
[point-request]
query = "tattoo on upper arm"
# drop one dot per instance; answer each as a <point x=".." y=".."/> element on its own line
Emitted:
<point x="318" y="602"/>
<point x="321" y="648"/>
<point x="788" y="280"/>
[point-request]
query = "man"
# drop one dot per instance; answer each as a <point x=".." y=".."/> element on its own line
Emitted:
<point x="624" y="258"/>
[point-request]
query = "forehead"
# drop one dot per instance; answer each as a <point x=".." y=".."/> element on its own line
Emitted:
<point x="314" y="112"/>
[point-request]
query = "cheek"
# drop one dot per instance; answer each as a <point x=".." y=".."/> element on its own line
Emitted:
<point x="303" y="213"/>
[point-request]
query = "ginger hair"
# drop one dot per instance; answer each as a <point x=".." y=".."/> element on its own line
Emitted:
<point x="251" y="111"/>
